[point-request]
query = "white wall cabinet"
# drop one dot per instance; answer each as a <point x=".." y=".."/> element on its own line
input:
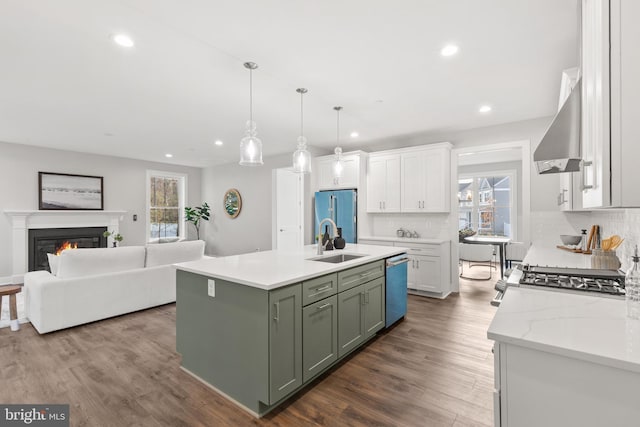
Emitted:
<point x="383" y="183"/>
<point x="425" y="181"/>
<point x="610" y="109"/>
<point x="348" y="179"/>
<point x="411" y="180"/>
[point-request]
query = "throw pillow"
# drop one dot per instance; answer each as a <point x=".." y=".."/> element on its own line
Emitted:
<point x="53" y="263"/>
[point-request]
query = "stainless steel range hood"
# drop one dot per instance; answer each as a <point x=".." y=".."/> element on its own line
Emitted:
<point x="559" y="150"/>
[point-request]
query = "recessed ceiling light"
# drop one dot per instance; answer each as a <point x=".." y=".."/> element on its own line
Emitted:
<point x="168" y="155"/>
<point x="123" y="40"/>
<point x="218" y="143"/>
<point x="354" y="134"/>
<point x="449" y="50"/>
<point x="484" y="108"/>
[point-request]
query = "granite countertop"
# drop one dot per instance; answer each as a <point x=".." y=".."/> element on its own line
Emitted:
<point x="405" y="239"/>
<point x="587" y="327"/>
<point x="273" y="269"/>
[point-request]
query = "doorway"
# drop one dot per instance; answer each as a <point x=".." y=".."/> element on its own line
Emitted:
<point x="288" y="210"/>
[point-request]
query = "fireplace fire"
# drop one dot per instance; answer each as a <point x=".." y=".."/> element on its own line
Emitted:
<point x="66" y="245"/>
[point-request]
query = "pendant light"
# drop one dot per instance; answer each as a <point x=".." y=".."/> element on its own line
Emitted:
<point x="250" y="145"/>
<point x="302" y="157"/>
<point x="338" y="164"/>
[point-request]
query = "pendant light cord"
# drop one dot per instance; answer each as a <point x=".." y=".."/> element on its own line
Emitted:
<point x="338" y="128"/>
<point x="250" y="95"/>
<point x="301" y="114"/>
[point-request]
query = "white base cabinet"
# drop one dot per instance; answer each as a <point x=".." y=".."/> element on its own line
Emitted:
<point x="429" y="267"/>
<point x="536" y="388"/>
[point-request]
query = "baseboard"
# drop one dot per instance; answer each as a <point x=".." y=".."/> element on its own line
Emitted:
<point x="6" y="280"/>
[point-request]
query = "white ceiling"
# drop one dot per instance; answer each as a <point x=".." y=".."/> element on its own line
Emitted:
<point x="65" y="84"/>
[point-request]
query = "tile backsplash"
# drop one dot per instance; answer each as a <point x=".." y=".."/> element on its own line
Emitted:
<point x="546" y="227"/>
<point x="428" y="226"/>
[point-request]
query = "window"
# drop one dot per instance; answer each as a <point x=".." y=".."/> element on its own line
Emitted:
<point x="165" y="206"/>
<point x="487" y="203"/>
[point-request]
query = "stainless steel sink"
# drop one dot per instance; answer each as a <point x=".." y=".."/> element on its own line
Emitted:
<point x="337" y="259"/>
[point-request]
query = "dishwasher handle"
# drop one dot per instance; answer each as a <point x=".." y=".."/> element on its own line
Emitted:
<point x="397" y="262"/>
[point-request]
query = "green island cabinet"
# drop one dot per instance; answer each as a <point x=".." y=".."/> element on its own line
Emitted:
<point x="258" y="347"/>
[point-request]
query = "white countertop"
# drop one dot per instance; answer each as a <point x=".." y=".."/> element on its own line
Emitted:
<point x="550" y="256"/>
<point x="405" y="239"/>
<point x="273" y="269"/>
<point x="586" y="327"/>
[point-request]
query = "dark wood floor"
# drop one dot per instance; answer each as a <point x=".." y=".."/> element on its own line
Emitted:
<point x="433" y="369"/>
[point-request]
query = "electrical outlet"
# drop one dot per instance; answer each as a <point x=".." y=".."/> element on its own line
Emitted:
<point x="211" y="285"/>
<point x="135" y="217"/>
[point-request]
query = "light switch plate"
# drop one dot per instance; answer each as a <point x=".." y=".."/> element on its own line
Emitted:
<point x="211" y="285"/>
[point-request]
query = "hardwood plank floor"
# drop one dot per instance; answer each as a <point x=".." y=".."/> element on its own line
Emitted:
<point x="433" y="369"/>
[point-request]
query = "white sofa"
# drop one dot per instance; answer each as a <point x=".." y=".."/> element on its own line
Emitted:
<point x="94" y="284"/>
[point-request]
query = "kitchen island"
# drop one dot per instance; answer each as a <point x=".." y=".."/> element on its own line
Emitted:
<point x="564" y="358"/>
<point x="258" y="327"/>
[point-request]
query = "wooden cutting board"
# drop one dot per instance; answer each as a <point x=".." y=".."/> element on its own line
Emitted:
<point x="575" y="251"/>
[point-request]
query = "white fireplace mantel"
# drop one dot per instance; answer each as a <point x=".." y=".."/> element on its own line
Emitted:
<point x="24" y="220"/>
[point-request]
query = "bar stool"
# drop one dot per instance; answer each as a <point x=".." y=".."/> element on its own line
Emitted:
<point x="11" y="292"/>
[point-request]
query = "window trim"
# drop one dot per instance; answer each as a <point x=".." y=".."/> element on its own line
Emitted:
<point x="513" y="197"/>
<point x="182" y="196"/>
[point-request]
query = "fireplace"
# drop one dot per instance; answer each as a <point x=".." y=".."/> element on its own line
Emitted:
<point x="48" y="240"/>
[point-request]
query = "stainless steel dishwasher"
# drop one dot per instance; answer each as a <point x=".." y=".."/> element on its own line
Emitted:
<point x="396" y="283"/>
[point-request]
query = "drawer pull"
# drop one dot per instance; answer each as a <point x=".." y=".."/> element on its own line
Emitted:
<point x="323" y="289"/>
<point x="323" y="306"/>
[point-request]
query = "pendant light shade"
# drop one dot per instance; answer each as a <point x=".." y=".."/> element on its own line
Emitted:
<point x="250" y="145"/>
<point x="338" y="163"/>
<point x="302" y="156"/>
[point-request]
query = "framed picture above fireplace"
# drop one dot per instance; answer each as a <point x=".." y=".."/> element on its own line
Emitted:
<point x="63" y="191"/>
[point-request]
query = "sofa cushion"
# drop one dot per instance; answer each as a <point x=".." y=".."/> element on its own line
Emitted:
<point x="172" y="253"/>
<point x="92" y="261"/>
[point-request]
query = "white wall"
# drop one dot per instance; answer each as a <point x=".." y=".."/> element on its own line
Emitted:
<point x="252" y="229"/>
<point x="124" y="187"/>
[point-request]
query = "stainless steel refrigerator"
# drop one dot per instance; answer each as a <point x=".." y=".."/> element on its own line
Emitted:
<point x="341" y="207"/>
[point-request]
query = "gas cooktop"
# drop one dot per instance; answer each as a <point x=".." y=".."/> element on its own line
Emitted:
<point x="589" y="280"/>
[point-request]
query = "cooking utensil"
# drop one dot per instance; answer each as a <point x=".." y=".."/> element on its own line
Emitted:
<point x="591" y="233"/>
<point x="615" y="245"/>
<point x="400" y="232"/>
<point x="606" y="244"/>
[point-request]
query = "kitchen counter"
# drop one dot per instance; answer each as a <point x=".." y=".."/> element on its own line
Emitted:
<point x="550" y="256"/>
<point x="270" y="270"/>
<point x="405" y="239"/>
<point x="586" y="327"/>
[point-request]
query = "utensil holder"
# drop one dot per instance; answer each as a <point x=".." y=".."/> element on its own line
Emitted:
<point x="605" y="260"/>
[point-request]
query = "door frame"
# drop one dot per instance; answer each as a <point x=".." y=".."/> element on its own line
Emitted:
<point x="525" y="151"/>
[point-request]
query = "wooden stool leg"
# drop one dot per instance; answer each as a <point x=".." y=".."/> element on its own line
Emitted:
<point x="13" y="310"/>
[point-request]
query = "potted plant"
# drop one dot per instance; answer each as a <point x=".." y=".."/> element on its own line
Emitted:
<point x="196" y="214"/>
<point x="465" y="232"/>
<point x="117" y="237"/>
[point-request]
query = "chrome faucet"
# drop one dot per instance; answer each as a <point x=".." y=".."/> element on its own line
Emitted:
<point x="335" y="233"/>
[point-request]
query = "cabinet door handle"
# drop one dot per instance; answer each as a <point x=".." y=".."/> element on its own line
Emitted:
<point x="323" y="306"/>
<point x="561" y="198"/>
<point x="417" y="263"/>
<point x="590" y="183"/>
<point x="380" y="205"/>
<point x="366" y="298"/>
<point x="323" y="289"/>
<point x="362" y="298"/>
<point x="277" y="316"/>
<point x="362" y="275"/>
<point x="384" y="205"/>
<point x="413" y="263"/>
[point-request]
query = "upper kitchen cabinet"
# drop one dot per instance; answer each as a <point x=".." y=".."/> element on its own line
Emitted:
<point x="425" y="179"/>
<point x="383" y="183"/>
<point x="610" y="93"/>
<point x="411" y="180"/>
<point x="350" y="177"/>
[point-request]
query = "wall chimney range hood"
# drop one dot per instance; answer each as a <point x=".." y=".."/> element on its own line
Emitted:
<point x="559" y="150"/>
